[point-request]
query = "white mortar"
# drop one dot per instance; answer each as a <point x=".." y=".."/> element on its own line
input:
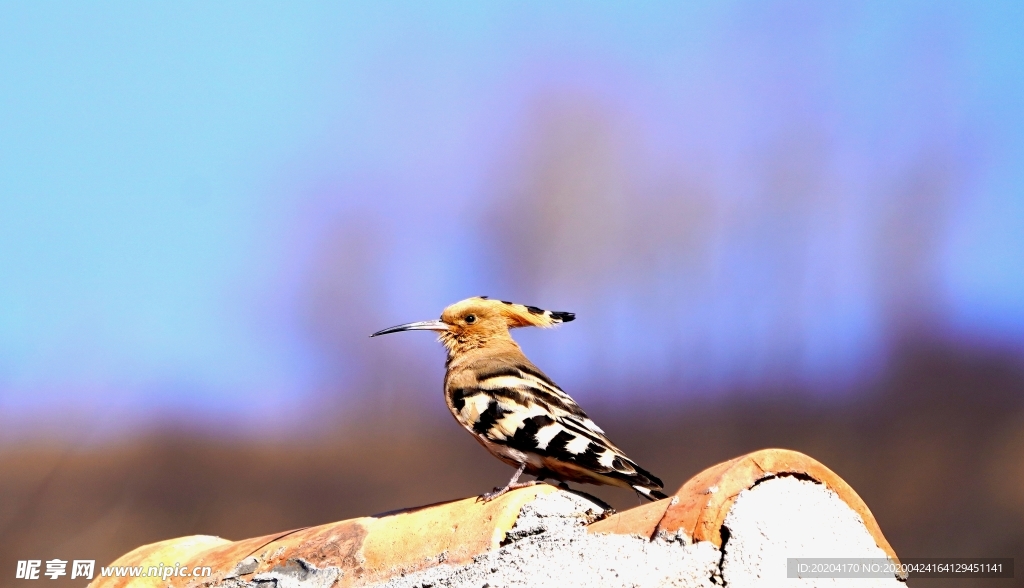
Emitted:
<point x="787" y="517"/>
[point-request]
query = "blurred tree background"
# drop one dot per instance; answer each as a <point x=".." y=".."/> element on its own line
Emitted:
<point x="779" y="223"/>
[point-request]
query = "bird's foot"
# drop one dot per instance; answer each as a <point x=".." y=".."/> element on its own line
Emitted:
<point x="502" y="491"/>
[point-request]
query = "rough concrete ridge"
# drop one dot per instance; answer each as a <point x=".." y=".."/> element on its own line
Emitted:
<point x="772" y="503"/>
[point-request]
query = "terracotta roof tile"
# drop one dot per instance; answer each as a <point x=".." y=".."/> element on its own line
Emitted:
<point x="366" y="549"/>
<point x="370" y="549"/>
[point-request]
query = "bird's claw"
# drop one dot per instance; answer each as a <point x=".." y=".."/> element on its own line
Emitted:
<point x="502" y="491"/>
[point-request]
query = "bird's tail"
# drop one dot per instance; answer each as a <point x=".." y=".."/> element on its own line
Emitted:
<point x="644" y="482"/>
<point x="649" y="493"/>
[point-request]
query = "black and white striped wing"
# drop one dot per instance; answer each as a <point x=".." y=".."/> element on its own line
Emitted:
<point x="519" y="407"/>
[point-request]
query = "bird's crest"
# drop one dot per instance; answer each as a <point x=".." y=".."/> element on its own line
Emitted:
<point x="521" y="315"/>
<point x="479" y="313"/>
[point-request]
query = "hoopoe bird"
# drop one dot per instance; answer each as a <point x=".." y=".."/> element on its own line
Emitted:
<point x="513" y="409"/>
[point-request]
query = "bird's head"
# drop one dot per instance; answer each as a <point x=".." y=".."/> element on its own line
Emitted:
<point x="474" y="321"/>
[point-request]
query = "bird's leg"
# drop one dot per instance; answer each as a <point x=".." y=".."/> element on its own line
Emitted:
<point x="513" y="484"/>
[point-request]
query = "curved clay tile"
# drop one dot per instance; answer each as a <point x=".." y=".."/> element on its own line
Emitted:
<point x="700" y="506"/>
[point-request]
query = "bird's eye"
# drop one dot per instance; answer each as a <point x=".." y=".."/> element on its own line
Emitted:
<point x="470" y="319"/>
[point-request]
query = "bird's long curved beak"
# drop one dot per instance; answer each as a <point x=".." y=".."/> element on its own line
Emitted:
<point x="418" y="326"/>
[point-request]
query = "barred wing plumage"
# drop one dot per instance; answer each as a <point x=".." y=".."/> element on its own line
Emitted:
<point x="516" y="406"/>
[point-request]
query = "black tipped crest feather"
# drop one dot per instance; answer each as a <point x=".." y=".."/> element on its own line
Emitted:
<point x="563" y="317"/>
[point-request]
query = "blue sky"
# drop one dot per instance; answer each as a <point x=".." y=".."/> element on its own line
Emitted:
<point x="172" y="174"/>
